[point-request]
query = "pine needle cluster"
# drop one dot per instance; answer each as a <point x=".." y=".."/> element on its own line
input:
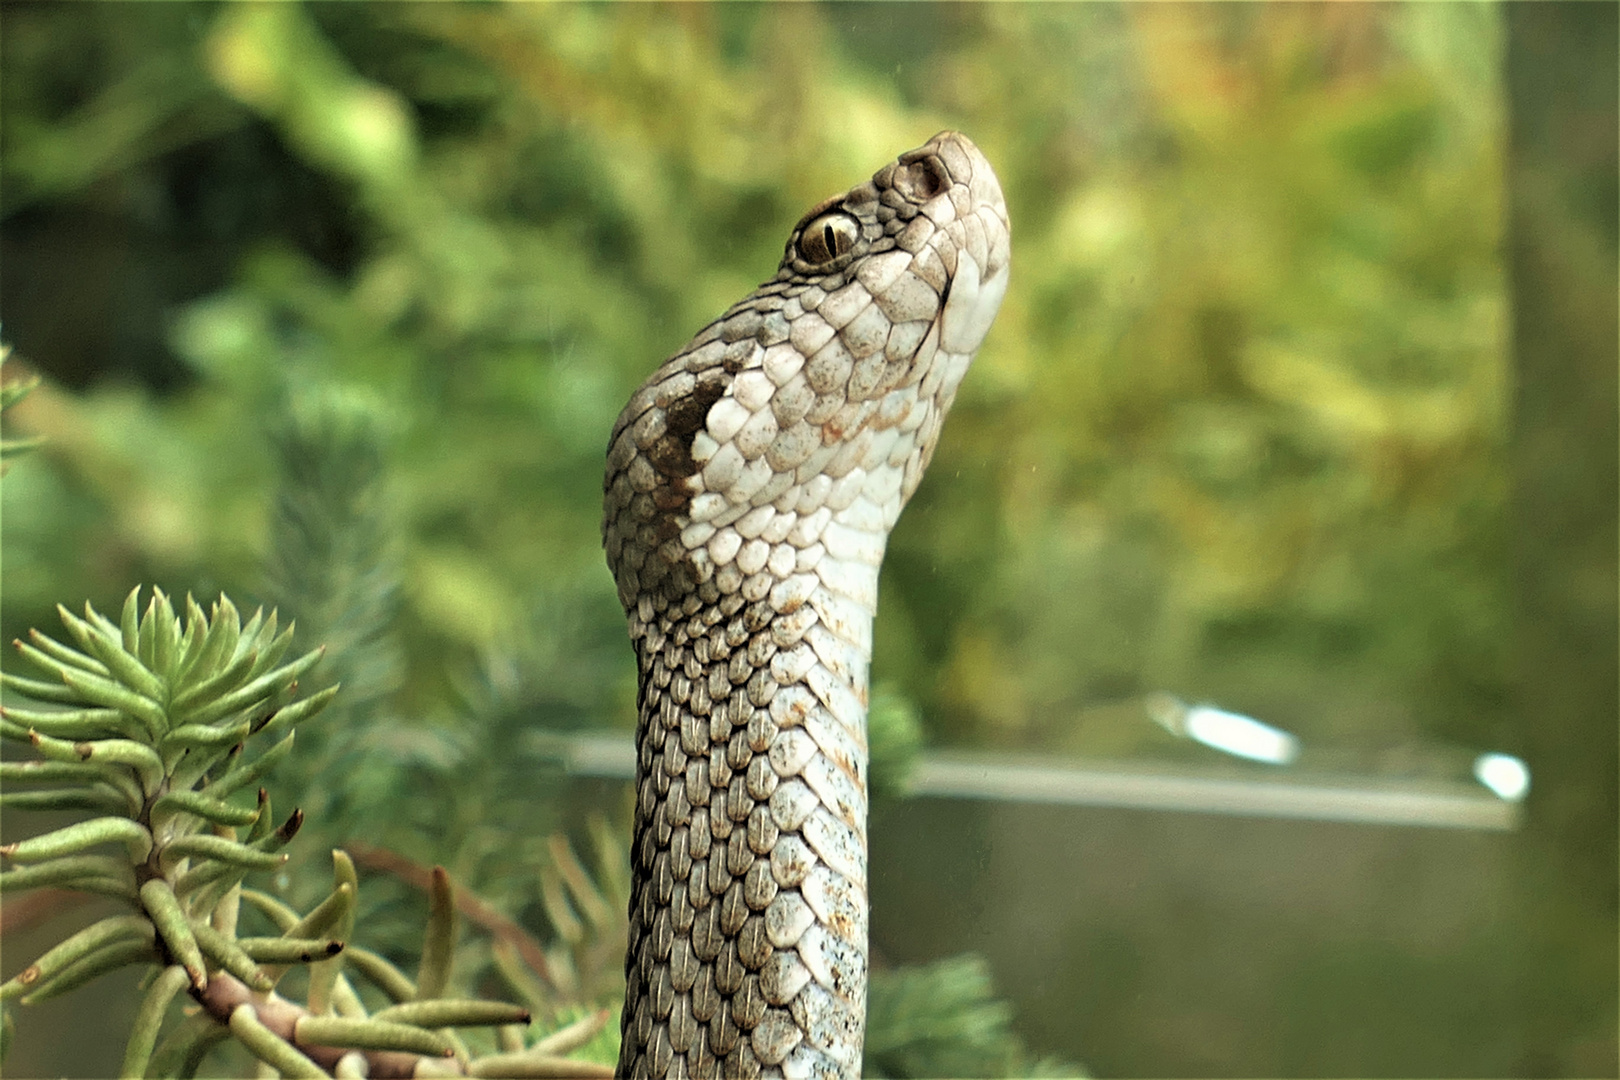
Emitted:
<point x="154" y="728"/>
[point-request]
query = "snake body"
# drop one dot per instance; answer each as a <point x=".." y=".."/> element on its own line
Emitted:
<point x="751" y="485"/>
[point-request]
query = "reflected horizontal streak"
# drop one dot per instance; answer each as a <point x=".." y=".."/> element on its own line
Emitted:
<point x="1380" y="802"/>
<point x="1377" y="801"/>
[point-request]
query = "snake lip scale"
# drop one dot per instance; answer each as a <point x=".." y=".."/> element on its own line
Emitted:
<point x="751" y="485"/>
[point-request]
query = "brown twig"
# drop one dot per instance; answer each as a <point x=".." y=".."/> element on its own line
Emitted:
<point x="225" y="992"/>
<point x="24" y="911"/>
<point x="469" y="903"/>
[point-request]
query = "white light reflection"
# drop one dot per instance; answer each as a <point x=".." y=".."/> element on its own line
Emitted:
<point x="1229" y="732"/>
<point x="1504" y="774"/>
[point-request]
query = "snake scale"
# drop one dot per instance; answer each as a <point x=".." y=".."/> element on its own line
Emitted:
<point x="751" y="485"/>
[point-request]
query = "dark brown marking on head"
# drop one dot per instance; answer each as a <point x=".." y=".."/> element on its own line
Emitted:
<point x="667" y="497"/>
<point x="671" y="452"/>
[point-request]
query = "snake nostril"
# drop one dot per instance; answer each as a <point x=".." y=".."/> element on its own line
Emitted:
<point x="922" y="180"/>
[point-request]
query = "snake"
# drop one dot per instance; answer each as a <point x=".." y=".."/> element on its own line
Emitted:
<point x="751" y="485"/>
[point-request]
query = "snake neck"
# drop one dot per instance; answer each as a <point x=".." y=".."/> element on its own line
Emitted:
<point x="748" y="921"/>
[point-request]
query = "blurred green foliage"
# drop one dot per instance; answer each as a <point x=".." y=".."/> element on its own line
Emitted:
<point x="1244" y="410"/>
<point x="943" y="1019"/>
<point x="10" y="394"/>
<point x="1238" y="433"/>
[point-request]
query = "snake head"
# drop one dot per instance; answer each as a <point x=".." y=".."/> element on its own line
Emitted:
<point x="899" y="241"/>
<point x="823" y="390"/>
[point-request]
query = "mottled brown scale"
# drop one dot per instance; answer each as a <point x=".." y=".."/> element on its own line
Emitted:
<point x="750" y="489"/>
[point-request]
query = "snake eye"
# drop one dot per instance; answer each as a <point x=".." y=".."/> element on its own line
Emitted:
<point x="828" y="237"/>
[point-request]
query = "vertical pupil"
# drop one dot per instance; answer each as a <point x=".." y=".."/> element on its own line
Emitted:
<point x="830" y="238"/>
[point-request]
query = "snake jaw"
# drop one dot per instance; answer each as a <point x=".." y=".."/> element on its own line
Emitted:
<point x="751" y="485"/>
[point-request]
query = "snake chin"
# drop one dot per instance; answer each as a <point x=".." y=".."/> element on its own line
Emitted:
<point x="971" y="307"/>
